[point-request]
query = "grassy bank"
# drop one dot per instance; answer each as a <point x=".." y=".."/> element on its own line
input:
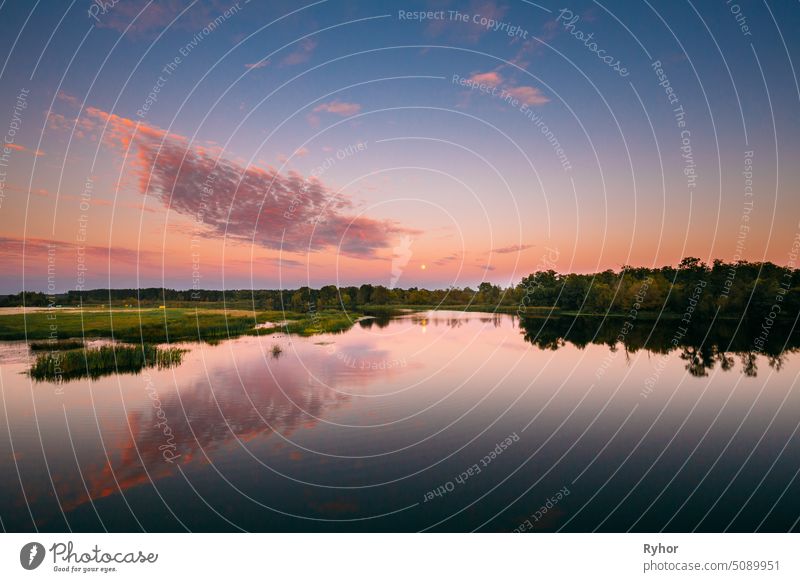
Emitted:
<point x="64" y="329"/>
<point x="147" y="325"/>
<point x="56" y="345"/>
<point x="322" y="322"/>
<point x="94" y="363"/>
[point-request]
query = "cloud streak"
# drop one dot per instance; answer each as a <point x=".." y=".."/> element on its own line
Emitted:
<point x="269" y="208"/>
<point x="512" y="249"/>
<point x="338" y="108"/>
<point x="523" y="93"/>
<point x="301" y="54"/>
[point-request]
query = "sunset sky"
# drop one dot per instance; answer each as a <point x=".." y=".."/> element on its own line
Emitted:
<point x="276" y="144"/>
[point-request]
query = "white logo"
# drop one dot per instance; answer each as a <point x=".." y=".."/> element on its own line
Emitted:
<point x="31" y="555"/>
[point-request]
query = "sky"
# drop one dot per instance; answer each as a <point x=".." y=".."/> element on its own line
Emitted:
<point x="217" y="144"/>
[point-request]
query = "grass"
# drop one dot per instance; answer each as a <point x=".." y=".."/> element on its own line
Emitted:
<point x="94" y="363"/>
<point x="322" y="322"/>
<point x="156" y="326"/>
<point x="56" y="345"/>
<point x="148" y="325"/>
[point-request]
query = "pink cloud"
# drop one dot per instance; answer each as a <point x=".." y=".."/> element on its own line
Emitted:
<point x="523" y="93"/>
<point x="528" y="95"/>
<point x="157" y="15"/>
<point x="440" y="262"/>
<point x="302" y="53"/>
<point x="512" y="249"/>
<point x="36" y="252"/>
<point x="272" y="209"/>
<point x="470" y="32"/>
<point x="258" y="65"/>
<point x="66" y="97"/>
<point x="339" y="108"/>
<point x="491" y="78"/>
<point x="19" y="148"/>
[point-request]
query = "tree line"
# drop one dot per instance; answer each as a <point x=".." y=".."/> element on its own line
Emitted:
<point x="722" y="288"/>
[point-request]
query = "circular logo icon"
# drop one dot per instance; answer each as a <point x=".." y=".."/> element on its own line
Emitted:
<point x="31" y="555"/>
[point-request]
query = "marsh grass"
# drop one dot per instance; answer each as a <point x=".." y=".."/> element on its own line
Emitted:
<point x="148" y="326"/>
<point x="322" y="322"/>
<point x="56" y="345"/>
<point x="98" y="362"/>
<point x="152" y="326"/>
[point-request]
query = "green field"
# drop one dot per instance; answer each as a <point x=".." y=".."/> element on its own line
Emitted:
<point x="156" y="326"/>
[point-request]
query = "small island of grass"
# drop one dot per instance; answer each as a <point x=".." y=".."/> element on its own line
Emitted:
<point x="94" y="363"/>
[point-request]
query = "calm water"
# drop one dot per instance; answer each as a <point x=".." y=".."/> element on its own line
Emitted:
<point x="440" y="421"/>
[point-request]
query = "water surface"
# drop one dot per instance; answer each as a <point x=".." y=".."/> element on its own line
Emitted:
<point x="442" y="421"/>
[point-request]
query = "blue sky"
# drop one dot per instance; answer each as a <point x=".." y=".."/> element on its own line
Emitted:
<point x="469" y="175"/>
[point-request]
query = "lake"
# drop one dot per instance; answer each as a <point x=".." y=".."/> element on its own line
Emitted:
<point x="436" y="421"/>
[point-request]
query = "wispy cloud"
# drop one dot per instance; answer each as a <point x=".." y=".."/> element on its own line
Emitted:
<point x="18" y="148"/>
<point x="527" y="95"/>
<point x="339" y="108"/>
<point x="301" y="54"/>
<point x="36" y="252"/>
<point x="335" y="107"/>
<point x="258" y="65"/>
<point x="67" y="98"/>
<point x="442" y="261"/>
<point x="470" y="31"/>
<point x="152" y="17"/>
<point x="264" y="206"/>
<point x="512" y="249"/>
<point x="523" y="93"/>
<point x="490" y="78"/>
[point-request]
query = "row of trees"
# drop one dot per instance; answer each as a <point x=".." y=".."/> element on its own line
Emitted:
<point x="304" y="298"/>
<point x="731" y="288"/>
